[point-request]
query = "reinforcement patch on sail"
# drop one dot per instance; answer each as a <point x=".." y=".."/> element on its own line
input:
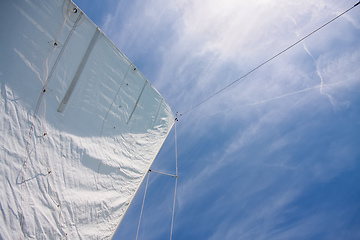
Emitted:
<point x="80" y="125"/>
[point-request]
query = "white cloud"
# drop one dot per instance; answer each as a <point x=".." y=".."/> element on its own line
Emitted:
<point x="196" y="48"/>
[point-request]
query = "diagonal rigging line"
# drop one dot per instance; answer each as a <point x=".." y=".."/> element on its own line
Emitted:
<point x="142" y="206"/>
<point x="176" y="182"/>
<point x="262" y="64"/>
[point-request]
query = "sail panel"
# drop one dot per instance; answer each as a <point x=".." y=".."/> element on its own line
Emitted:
<point x="80" y="126"/>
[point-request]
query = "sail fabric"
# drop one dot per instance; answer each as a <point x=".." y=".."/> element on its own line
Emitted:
<point x="80" y="125"/>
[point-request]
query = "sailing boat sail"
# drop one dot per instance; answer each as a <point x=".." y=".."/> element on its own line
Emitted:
<point x="80" y="126"/>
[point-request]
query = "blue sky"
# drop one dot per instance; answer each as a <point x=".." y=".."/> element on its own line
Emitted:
<point x="277" y="155"/>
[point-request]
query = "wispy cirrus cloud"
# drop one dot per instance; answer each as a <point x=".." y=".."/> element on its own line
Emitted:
<point x="259" y="160"/>
<point x="198" y="47"/>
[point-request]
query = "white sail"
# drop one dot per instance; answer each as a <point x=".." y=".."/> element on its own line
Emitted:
<point x="80" y="125"/>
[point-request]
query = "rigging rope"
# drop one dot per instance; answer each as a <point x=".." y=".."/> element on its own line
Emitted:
<point x="265" y="62"/>
<point x="175" y="190"/>
<point x="176" y="180"/>
<point x="232" y="83"/>
<point x="163" y="173"/>
<point x="142" y="206"/>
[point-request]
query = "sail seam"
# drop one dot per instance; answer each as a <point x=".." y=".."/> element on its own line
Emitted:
<point x="136" y="102"/>
<point x="157" y="113"/>
<point x="78" y="71"/>
<point x="107" y="113"/>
